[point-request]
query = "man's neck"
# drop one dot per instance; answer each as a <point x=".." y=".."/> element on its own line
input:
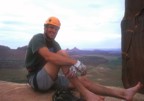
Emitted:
<point x="47" y="38"/>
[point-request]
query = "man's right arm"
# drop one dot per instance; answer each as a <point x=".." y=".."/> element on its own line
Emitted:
<point x="55" y="58"/>
<point x="62" y="60"/>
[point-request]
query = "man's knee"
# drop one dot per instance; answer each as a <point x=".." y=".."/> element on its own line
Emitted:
<point x="63" y="53"/>
<point x="51" y="66"/>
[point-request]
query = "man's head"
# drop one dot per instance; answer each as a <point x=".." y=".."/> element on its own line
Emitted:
<point x="51" y="27"/>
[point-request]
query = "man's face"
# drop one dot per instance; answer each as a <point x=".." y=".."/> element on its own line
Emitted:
<point x="51" y="31"/>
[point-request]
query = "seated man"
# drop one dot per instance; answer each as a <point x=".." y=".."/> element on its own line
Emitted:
<point x="44" y="59"/>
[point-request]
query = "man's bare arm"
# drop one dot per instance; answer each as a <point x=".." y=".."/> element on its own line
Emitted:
<point x="55" y="58"/>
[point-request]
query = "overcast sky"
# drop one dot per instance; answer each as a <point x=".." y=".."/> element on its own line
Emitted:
<point x="86" y="24"/>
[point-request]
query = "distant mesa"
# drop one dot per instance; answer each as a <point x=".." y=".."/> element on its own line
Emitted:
<point x="3" y="48"/>
<point x="22" y="48"/>
<point x="14" y="58"/>
<point x="73" y="49"/>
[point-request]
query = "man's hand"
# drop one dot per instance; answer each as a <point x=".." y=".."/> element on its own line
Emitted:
<point x="72" y="72"/>
<point x="76" y="70"/>
<point x="80" y="67"/>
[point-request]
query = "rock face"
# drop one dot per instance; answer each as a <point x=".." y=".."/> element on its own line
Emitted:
<point x="132" y="27"/>
<point x="22" y="92"/>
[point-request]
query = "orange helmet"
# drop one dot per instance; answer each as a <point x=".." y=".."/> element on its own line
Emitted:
<point x="53" y="21"/>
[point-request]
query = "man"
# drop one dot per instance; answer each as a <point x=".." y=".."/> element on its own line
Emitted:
<point x="44" y="59"/>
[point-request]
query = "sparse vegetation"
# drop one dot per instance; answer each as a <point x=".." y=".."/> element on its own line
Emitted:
<point x="13" y="75"/>
<point x="103" y="66"/>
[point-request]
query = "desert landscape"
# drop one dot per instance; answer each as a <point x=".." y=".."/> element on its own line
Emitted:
<point x="104" y="66"/>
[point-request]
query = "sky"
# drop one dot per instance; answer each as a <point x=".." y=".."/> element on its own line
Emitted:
<point x="85" y="24"/>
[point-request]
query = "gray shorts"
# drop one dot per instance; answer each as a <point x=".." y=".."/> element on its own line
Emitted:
<point x="44" y="81"/>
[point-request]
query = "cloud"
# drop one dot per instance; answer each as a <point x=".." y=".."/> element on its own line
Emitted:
<point x="85" y="24"/>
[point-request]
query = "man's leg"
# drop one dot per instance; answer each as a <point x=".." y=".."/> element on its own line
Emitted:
<point x="88" y="95"/>
<point x="52" y="70"/>
<point x="44" y="79"/>
<point x="99" y="89"/>
<point x="83" y="82"/>
<point x="102" y="90"/>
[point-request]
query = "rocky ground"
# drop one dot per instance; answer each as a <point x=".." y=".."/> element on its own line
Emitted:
<point x="22" y="92"/>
